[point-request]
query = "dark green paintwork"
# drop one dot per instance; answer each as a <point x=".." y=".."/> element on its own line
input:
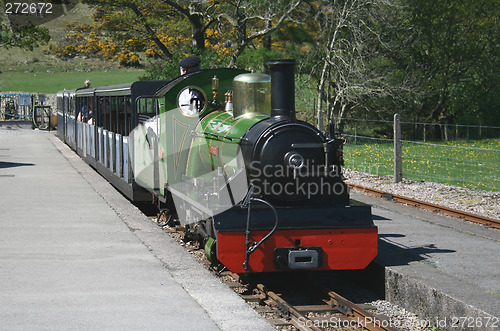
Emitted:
<point x="217" y="142"/>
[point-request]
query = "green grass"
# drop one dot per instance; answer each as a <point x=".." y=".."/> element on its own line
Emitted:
<point x="44" y="82"/>
<point x="471" y="164"/>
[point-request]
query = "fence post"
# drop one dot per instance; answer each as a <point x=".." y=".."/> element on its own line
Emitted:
<point x="398" y="164"/>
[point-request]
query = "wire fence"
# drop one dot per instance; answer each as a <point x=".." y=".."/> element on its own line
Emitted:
<point x="471" y="163"/>
<point x="418" y="131"/>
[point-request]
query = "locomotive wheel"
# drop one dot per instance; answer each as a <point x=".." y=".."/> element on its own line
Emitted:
<point x="211" y="255"/>
<point x="165" y="218"/>
<point x="210" y="250"/>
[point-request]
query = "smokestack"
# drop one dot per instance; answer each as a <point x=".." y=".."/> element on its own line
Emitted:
<point x="282" y="88"/>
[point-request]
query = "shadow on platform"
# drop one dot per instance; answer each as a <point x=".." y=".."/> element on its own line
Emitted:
<point x="4" y="165"/>
<point x="396" y="254"/>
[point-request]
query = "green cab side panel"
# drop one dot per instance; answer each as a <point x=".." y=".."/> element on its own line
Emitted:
<point x="176" y="129"/>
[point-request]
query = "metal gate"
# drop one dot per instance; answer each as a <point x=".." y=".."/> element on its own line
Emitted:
<point x="16" y="106"/>
<point x="25" y="107"/>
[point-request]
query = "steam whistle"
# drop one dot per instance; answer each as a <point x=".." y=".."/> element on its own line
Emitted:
<point x="229" y="101"/>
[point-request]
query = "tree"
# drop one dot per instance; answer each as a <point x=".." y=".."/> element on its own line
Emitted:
<point x="169" y="29"/>
<point x="344" y="57"/>
<point x="25" y="37"/>
<point x="430" y="61"/>
<point x="155" y="28"/>
<point x="200" y="16"/>
<point x="254" y="19"/>
<point x="451" y="49"/>
<point x="127" y="19"/>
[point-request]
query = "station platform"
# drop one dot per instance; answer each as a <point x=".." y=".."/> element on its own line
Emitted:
<point x="76" y="255"/>
<point x="442" y="268"/>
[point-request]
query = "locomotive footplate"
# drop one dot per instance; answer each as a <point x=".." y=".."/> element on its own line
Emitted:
<point x="356" y="215"/>
<point x="298" y="257"/>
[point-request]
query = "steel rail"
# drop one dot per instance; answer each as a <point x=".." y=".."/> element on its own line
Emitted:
<point x="288" y="310"/>
<point x="429" y="206"/>
<point x="366" y="319"/>
<point x="350" y="310"/>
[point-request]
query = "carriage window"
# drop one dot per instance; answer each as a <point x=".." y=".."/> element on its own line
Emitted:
<point x="84" y="109"/>
<point x="113" y="119"/>
<point x="146" y="108"/>
<point x="104" y="105"/>
<point x="122" y="110"/>
<point x="127" y="115"/>
<point x="71" y="104"/>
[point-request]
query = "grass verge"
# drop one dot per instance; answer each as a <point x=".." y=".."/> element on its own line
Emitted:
<point x="51" y="82"/>
<point x="471" y="164"/>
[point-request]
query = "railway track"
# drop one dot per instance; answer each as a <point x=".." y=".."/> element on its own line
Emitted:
<point x="297" y="303"/>
<point x="429" y="206"/>
<point x="305" y="304"/>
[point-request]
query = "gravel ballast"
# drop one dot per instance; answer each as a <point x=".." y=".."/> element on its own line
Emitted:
<point x="482" y="203"/>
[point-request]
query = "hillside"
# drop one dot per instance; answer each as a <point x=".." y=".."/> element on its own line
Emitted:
<point x="34" y="71"/>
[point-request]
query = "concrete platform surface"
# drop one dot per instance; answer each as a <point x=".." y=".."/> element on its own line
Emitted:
<point x="76" y="255"/>
<point x="445" y="269"/>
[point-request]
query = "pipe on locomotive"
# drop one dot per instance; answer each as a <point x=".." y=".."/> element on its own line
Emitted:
<point x="282" y="88"/>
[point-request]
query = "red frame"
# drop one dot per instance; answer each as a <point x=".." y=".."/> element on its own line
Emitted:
<point x="343" y="249"/>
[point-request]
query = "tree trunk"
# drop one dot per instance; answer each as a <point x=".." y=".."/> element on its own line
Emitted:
<point x="267" y="38"/>
<point x="321" y="94"/>
<point x="242" y="42"/>
<point x="197" y="31"/>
